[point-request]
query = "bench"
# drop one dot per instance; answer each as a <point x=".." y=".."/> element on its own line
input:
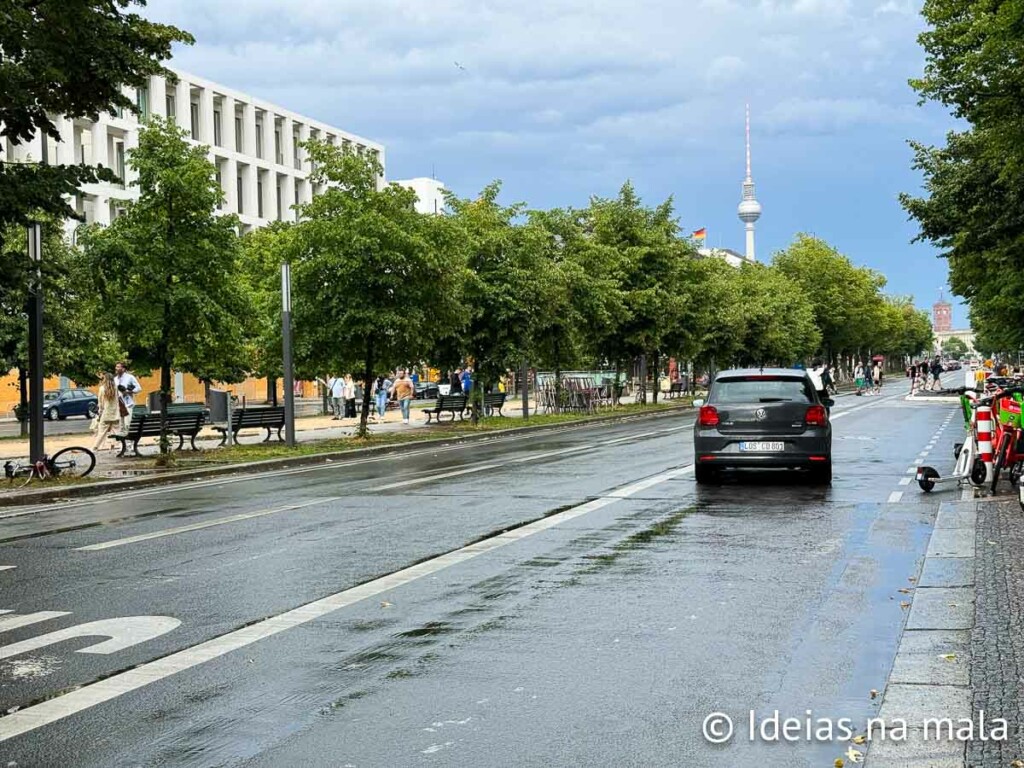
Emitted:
<point x="453" y="404"/>
<point x="494" y="401"/>
<point x="677" y="389"/>
<point x="268" y="418"/>
<point x="181" y="423"/>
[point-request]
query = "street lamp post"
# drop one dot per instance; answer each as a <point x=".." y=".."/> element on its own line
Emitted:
<point x="286" y="349"/>
<point x="35" y="343"/>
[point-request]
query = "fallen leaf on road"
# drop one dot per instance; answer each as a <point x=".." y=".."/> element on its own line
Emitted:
<point x="904" y="591"/>
<point x="993" y="543"/>
<point x="1017" y="764"/>
<point x="912" y="580"/>
<point x="385" y="604"/>
<point x="839" y="763"/>
<point x="904" y="605"/>
<point x="948" y="656"/>
<point x="952" y="605"/>
<point x="855" y="755"/>
<point x="859" y="739"/>
<point x="874" y="694"/>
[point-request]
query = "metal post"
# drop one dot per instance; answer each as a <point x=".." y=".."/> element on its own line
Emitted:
<point x="35" y="342"/>
<point x="286" y="349"/>
<point x="526" y="388"/>
<point x="231" y="434"/>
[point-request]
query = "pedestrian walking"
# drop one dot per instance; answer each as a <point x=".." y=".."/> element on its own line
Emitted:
<point x="381" y="390"/>
<point x="817" y="381"/>
<point x="403" y="391"/>
<point x="350" y="397"/>
<point x="858" y="377"/>
<point x="127" y="387"/>
<point x="108" y="415"/>
<point x="336" y="386"/>
<point x="455" y="382"/>
<point x="467" y="381"/>
<point x="936" y="371"/>
<point x="876" y="377"/>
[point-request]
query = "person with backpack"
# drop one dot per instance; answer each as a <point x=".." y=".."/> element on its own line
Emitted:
<point x="936" y="370"/>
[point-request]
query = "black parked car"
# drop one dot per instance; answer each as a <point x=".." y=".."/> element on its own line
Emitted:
<point x="59" y="404"/>
<point x="427" y="390"/>
<point x="770" y="418"/>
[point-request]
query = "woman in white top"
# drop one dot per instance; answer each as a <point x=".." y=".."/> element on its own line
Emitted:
<point x="108" y="415"/>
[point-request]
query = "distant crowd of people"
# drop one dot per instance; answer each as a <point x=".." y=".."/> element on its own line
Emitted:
<point x="925" y="375"/>
<point x="117" y="394"/>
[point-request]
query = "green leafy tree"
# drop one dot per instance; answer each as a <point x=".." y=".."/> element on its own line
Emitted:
<point x="168" y="267"/>
<point x="502" y="297"/>
<point x="375" y="284"/>
<point x="74" y="335"/>
<point x="778" y="318"/>
<point x="954" y="347"/>
<point x="972" y="206"/>
<point x="67" y="57"/>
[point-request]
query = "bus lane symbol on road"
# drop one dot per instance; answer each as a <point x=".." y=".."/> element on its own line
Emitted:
<point x="120" y="633"/>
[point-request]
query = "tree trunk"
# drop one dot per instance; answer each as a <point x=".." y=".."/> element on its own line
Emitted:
<point x="364" y="413"/>
<point x="272" y="390"/>
<point x="656" y="359"/>
<point x="615" y="384"/>
<point x="23" y="399"/>
<point x="558" y="376"/>
<point x="206" y="391"/>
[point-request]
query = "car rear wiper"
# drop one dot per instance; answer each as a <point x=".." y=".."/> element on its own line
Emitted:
<point x="775" y="400"/>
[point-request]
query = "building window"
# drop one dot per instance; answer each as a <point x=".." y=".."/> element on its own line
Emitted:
<point x="259" y="198"/>
<point x="142" y="103"/>
<point x="195" y="120"/>
<point x="119" y="159"/>
<point x="217" y="139"/>
<point x="259" y="139"/>
<point x="296" y="160"/>
<point x="170" y="105"/>
<point x="280" y="207"/>
<point x="239" y="143"/>
<point x="241" y="200"/>
<point x="278" y="153"/>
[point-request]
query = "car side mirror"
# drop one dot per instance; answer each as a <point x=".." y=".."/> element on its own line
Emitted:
<point x="698" y="402"/>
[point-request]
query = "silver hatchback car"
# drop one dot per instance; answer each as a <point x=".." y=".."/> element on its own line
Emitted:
<point x="763" y="418"/>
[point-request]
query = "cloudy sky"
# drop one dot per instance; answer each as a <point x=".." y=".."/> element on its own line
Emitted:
<point x="563" y="99"/>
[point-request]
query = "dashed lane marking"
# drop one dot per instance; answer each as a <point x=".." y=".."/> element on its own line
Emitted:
<point x="906" y="480"/>
<point x="895" y="496"/>
<point x="7" y="567"/>
<point x="80" y="699"/>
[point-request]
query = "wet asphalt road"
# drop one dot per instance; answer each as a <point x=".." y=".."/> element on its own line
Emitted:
<point x="602" y="634"/>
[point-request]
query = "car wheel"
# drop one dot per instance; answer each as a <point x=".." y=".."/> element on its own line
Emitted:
<point x="704" y="474"/>
<point x="51" y="414"/>
<point x="822" y="475"/>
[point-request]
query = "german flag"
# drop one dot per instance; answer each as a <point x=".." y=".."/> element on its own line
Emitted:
<point x="701" y="234"/>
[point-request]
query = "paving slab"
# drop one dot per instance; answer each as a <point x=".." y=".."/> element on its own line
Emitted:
<point x="957" y="514"/>
<point x="916" y="703"/>
<point x="933" y="657"/>
<point x="947" y="572"/>
<point x="942" y="608"/>
<point x="951" y="542"/>
<point x="915" y="752"/>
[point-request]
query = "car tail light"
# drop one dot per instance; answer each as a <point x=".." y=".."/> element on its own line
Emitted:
<point x="708" y="416"/>
<point x="816" y="416"/>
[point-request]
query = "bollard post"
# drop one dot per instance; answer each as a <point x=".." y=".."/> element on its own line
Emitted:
<point x="985" y="439"/>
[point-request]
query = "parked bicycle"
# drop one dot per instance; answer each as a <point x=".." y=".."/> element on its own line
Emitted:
<point x="68" y="462"/>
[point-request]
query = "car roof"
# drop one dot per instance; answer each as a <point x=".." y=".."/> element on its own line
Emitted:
<point x="794" y="373"/>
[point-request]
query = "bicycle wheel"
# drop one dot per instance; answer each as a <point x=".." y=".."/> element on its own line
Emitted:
<point x="73" y="462"/>
<point x="30" y="475"/>
<point x="1002" y="451"/>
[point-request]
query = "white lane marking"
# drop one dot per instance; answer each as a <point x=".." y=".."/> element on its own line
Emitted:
<point x="14" y="621"/>
<point x="19" y="513"/>
<point x="340" y="463"/>
<point x="895" y="496"/>
<point x="87" y="696"/>
<point x="7" y="567"/>
<point x="432" y="478"/>
<point x="923" y="454"/>
<point x="906" y="480"/>
<point x="120" y="633"/>
<point x="912" y="470"/>
<point x="200" y="526"/>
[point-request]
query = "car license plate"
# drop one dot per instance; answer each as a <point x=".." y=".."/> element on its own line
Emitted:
<point x="763" y="447"/>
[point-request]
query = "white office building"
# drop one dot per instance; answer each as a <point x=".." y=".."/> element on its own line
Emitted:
<point x="253" y="144"/>
<point x="429" y="194"/>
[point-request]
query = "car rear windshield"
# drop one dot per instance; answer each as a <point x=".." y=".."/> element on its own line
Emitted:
<point x="762" y="389"/>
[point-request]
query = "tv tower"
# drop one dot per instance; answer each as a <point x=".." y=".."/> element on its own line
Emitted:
<point x="750" y="209"/>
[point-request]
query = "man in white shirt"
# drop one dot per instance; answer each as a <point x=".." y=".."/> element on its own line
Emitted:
<point x="127" y="388"/>
<point x="337" y="386"/>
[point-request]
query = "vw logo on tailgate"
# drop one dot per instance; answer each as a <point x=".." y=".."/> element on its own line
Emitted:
<point x="760" y="414"/>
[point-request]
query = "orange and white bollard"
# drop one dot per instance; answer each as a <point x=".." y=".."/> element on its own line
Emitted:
<point x="984" y="422"/>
